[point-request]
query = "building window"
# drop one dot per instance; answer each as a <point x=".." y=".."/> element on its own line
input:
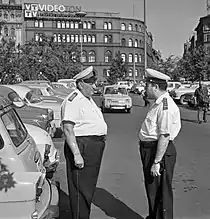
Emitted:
<point x="85" y="38"/>
<point x="123" y="56"/>
<point x="106" y="39"/>
<point x="58" y="24"/>
<point x="72" y="38"/>
<point x="136" y="43"/>
<point x="206" y="27"/>
<point x="67" y="24"/>
<point x="140" y="42"/>
<point x="54" y="37"/>
<point x="6" y="31"/>
<point x="123" y="27"/>
<point x="105" y="26"/>
<point x="5" y="16"/>
<point x="76" y="25"/>
<point x="12" y="15"/>
<point x="89" y="38"/>
<point x="123" y="42"/>
<point x="36" y="37"/>
<point x="130" y="72"/>
<point x="84" y="56"/>
<point x="67" y="38"/>
<point x="130" y="58"/>
<point x="108" y="56"/>
<point x="89" y="25"/>
<point x="109" y="25"/>
<point x="93" y="39"/>
<point x="140" y="58"/>
<point x="63" y="24"/>
<point x="84" y="25"/>
<point x="92" y="56"/>
<point x="72" y="25"/>
<point x="136" y="27"/>
<point x="76" y="38"/>
<point x="59" y="38"/>
<point x="110" y="39"/>
<point x="130" y="42"/>
<point x="41" y="24"/>
<point x="140" y="28"/>
<point x="12" y="32"/>
<point x="207" y="38"/>
<point x="80" y="38"/>
<point x="136" y="58"/>
<point x="40" y="38"/>
<point x="130" y="27"/>
<point x="93" y="25"/>
<point x="36" y="23"/>
<point x="64" y="38"/>
<point x="136" y="72"/>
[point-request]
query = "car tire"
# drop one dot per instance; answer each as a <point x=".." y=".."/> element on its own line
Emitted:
<point x="103" y="109"/>
<point x="128" y="110"/>
<point x="182" y="102"/>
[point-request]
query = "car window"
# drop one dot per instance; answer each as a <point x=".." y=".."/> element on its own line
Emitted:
<point x="177" y="86"/>
<point x="112" y="90"/>
<point x="37" y="91"/>
<point x="13" y="96"/>
<point x="50" y="90"/>
<point x="32" y="97"/>
<point x="14" y="126"/>
<point x="170" y="85"/>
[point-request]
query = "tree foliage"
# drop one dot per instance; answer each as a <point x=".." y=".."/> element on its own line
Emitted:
<point x="38" y="60"/>
<point x="118" y="69"/>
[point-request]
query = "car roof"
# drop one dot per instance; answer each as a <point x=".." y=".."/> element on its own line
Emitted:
<point x="20" y="89"/>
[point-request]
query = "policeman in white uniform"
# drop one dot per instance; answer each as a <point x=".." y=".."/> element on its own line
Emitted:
<point x="158" y="154"/>
<point x="85" y="130"/>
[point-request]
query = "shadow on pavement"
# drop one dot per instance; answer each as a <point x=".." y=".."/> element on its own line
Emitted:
<point x="189" y="120"/>
<point x="112" y="206"/>
<point x="64" y="205"/>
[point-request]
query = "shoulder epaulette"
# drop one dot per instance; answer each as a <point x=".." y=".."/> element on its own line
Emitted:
<point x="72" y="96"/>
<point x="165" y="103"/>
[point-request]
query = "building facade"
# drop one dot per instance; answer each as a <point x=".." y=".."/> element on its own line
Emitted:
<point x="99" y="35"/>
<point x="11" y="20"/>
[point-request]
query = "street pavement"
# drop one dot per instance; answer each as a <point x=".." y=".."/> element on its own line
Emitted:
<point x="120" y="190"/>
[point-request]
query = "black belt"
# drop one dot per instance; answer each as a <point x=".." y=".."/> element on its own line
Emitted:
<point x="148" y="144"/>
<point x="93" y="137"/>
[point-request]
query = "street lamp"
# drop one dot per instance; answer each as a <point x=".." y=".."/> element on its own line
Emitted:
<point x="81" y="14"/>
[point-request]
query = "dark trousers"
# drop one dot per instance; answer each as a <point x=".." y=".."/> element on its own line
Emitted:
<point x="158" y="189"/>
<point x="82" y="182"/>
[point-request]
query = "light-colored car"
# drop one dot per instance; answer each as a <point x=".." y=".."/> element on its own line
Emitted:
<point x="45" y="145"/>
<point x="127" y="84"/>
<point x="115" y="97"/>
<point x="24" y="190"/>
<point x="173" y="85"/>
<point x="32" y="99"/>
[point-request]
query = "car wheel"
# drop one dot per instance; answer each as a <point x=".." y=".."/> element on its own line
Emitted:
<point x="103" y="109"/>
<point x="182" y="101"/>
<point x="128" y="110"/>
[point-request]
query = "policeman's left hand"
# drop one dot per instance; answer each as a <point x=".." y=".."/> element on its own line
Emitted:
<point x="155" y="170"/>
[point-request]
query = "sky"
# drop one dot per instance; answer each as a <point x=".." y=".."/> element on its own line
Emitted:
<point x="171" y="22"/>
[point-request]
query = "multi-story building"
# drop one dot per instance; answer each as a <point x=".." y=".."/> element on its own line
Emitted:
<point x="99" y="35"/>
<point x="11" y="20"/>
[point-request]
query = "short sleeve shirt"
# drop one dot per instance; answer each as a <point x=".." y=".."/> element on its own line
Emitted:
<point x="201" y="94"/>
<point x="84" y="114"/>
<point x="163" y="117"/>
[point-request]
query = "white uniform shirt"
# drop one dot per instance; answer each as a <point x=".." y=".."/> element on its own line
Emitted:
<point x="85" y="114"/>
<point x="162" y="118"/>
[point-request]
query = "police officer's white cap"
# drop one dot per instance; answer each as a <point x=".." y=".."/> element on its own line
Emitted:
<point x="85" y="74"/>
<point x="152" y="74"/>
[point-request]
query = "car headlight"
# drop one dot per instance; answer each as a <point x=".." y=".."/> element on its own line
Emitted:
<point x="108" y="100"/>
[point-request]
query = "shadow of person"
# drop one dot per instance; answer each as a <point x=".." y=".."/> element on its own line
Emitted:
<point x="112" y="206"/>
<point x="64" y="209"/>
<point x="189" y="120"/>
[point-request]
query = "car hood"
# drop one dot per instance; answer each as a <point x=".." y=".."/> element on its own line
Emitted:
<point x="185" y="90"/>
<point x="50" y="104"/>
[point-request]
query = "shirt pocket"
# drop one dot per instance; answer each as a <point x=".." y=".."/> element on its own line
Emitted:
<point x="151" y="124"/>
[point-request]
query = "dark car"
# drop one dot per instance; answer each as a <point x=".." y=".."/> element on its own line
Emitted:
<point x="31" y="115"/>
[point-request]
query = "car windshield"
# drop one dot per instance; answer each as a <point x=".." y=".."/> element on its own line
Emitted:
<point x="113" y="90"/>
<point x="32" y="97"/>
<point x="50" y="91"/>
<point x="37" y="91"/>
<point x="15" y="127"/>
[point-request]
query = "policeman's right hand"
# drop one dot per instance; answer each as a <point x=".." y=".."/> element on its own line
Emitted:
<point x="79" y="161"/>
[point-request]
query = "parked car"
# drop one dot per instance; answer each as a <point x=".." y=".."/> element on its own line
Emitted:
<point x="31" y="115"/>
<point x="137" y="88"/>
<point x="31" y="99"/>
<point x="126" y="84"/>
<point x="173" y="85"/>
<point x="49" y="154"/>
<point x="25" y="192"/>
<point x="115" y="97"/>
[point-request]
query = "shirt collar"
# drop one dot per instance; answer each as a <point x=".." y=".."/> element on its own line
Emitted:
<point x="159" y="99"/>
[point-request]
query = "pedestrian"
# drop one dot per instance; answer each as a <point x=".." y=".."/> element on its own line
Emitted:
<point x="158" y="154"/>
<point x="85" y="134"/>
<point x="145" y="98"/>
<point x="202" y="101"/>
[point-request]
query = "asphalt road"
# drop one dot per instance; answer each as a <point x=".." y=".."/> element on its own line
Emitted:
<point x="120" y="190"/>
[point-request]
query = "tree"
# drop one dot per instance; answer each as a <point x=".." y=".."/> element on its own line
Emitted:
<point x="118" y="69"/>
<point x="49" y="60"/>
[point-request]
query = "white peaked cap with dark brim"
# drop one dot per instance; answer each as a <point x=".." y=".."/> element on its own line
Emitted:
<point x="151" y="74"/>
<point x="85" y="74"/>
